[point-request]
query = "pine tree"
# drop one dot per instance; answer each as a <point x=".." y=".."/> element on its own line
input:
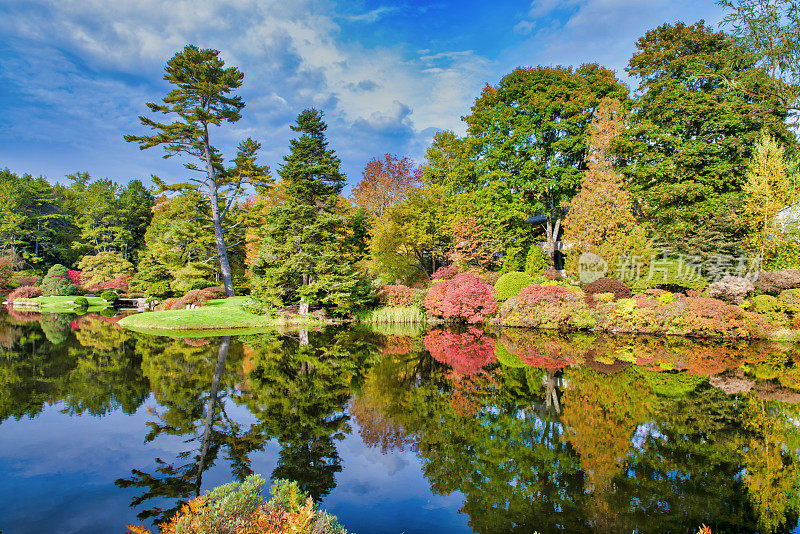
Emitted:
<point x="767" y="189"/>
<point x="202" y="100"/>
<point x="303" y="256"/>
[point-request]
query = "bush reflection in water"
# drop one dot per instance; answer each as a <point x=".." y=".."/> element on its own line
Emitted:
<point x="538" y="431"/>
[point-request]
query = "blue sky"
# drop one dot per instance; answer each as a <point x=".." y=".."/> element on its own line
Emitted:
<point x="76" y="73"/>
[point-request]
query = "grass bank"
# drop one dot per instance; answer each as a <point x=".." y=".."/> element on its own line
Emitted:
<point x="219" y="317"/>
<point x="392" y="315"/>
<point x="64" y="304"/>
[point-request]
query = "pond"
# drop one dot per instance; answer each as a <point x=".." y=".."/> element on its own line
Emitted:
<point x="399" y="430"/>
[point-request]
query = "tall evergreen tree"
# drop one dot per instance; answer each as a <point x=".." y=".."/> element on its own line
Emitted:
<point x="302" y="256"/>
<point x="32" y="219"/>
<point x="201" y="100"/>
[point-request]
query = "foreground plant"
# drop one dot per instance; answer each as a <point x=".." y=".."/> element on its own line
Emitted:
<point x="236" y="508"/>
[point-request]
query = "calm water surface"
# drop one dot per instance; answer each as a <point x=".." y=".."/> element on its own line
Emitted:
<point x="398" y="430"/>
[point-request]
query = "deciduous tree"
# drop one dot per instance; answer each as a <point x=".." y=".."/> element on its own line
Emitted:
<point x="600" y="218"/>
<point x="766" y="192"/>
<point x="528" y="137"/>
<point x="769" y="31"/>
<point x="691" y="135"/>
<point x="385" y="182"/>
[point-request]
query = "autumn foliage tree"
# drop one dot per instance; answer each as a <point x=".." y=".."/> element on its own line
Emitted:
<point x="766" y="191"/>
<point x="464" y="297"/>
<point x="384" y="183"/>
<point x="600" y="217"/>
<point x="474" y="243"/>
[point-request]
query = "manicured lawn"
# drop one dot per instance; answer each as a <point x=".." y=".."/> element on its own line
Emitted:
<point x="66" y="304"/>
<point x="219" y="317"/>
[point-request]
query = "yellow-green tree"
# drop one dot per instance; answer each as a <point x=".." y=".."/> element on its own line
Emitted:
<point x="766" y="191"/>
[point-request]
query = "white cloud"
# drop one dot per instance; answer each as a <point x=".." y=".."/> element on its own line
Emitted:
<point x="371" y="16"/>
<point x="108" y="58"/>
<point x="524" y="27"/>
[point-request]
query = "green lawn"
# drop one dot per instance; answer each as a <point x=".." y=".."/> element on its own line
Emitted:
<point x="66" y="304"/>
<point x="219" y="317"/>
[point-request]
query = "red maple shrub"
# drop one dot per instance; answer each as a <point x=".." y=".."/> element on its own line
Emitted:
<point x="24" y="292"/>
<point x="197" y="297"/>
<point x="395" y="296"/>
<point x="75" y="276"/>
<point x="467" y="353"/>
<point x="466" y="296"/>
<point x="608" y="285"/>
<point x="445" y="272"/>
<point x="119" y="283"/>
<point x="553" y="274"/>
<point x="535" y="294"/>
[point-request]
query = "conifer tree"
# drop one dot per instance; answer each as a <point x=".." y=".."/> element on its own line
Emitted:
<point x="303" y="256"/>
<point x="600" y="217"/>
<point x="201" y="100"/>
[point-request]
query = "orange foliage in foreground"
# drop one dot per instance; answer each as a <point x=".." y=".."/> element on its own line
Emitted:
<point x="191" y="520"/>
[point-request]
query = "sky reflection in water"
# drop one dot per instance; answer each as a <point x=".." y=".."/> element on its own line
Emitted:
<point x="399" y="431"/>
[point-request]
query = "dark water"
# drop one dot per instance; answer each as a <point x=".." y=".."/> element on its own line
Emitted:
<point x="397" y="430"/>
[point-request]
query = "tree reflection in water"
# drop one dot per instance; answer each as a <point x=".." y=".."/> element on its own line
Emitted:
<point x="599" y="434"/>
<point x="193" y="383"/>
<point x="538" y="431"/>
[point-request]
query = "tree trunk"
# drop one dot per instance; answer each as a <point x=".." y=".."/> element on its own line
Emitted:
<point x="219" y="235"/>
<point x="211" y="407"/>
<point x="551" y="231"/>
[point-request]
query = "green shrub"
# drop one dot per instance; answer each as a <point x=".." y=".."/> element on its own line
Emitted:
<point x="109" y="296"/>
<point x="769" y="307"/>
<point x="765" y="304"/>
<point x="159" y="289"/>
<point x="57" y="282"/>
<point x="789" y="300"/>
<point x="666" y="298"/>
<point x="81" y="302"/>
<point x="536" y="263"/>
<point x="510" y="284"/>
<point x="55" y="327"/>
<point x="671" y="275"/>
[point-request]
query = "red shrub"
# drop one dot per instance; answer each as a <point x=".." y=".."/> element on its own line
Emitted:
<point x="75" y="276"/>
<point x="197" y="297"/>
<point x="536" y="294"/>
<point x="119" y="283"/>
<point x="445" y="273"/>
<point x="552" y="274"/>
<point x="395" y="296"/>
<point x="608" y="285"/>
<point x="466" y="296"/>
<point x="466" y="353"/>
<point x="25" y="280"/>
<point x="24" y="292"/>
<point x="22" y="316"/>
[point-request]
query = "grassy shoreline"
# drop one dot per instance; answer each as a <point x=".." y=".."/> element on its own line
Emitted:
<point x="220" y="317"/>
